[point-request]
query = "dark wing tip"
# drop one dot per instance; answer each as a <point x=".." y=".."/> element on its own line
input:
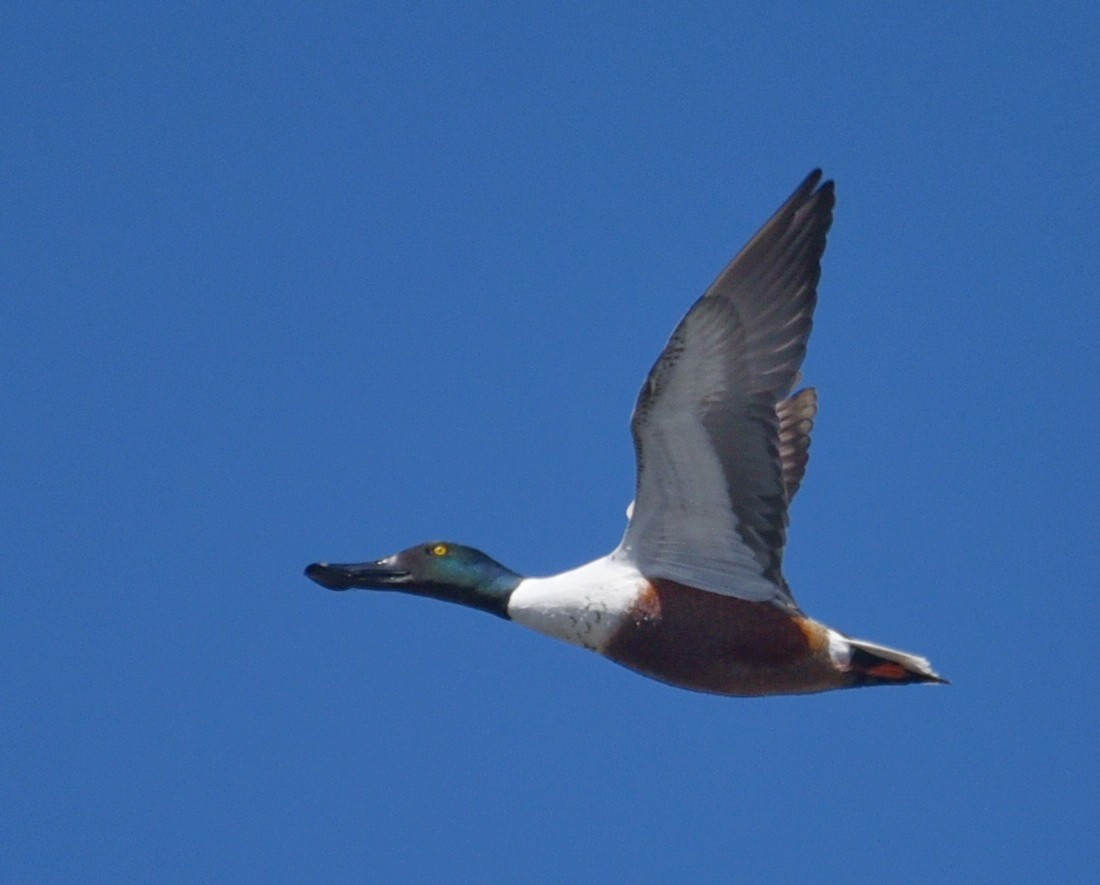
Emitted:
<point x="809" y="183"/>
<point x="823" y="197"/>
<point x="811" y="180"/>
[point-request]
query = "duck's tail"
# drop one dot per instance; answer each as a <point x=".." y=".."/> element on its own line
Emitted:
<point x="873" y="664"/>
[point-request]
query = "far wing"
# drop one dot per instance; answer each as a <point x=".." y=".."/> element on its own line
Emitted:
<point x="796" y="419"/>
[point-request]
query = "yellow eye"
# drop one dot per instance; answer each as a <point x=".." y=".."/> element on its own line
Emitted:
<point x="440" y="550"/>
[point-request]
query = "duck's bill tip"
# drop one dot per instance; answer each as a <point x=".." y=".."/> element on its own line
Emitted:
<point x="327" y="576"/>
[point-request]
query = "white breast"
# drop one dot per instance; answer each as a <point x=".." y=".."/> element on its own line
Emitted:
<point x="583" y="606"/>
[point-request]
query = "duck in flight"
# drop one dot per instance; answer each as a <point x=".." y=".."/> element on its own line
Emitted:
<point x="694" y="595"/>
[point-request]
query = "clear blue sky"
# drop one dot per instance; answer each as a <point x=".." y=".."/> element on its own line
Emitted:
<point x="296" y="281"/>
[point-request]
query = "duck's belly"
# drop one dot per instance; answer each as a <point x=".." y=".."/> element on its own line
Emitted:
<point x="708" y="642"/>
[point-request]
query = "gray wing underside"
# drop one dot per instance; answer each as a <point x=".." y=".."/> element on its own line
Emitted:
<point x="796" y="416"/>
<point x="721" y="447"/>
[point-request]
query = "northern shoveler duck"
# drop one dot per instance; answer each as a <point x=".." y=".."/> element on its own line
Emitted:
<point x="694" y="595"/>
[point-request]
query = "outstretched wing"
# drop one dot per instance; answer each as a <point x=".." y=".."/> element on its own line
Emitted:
<point x="713" y="483"/>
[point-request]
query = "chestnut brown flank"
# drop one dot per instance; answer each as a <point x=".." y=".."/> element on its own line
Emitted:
<point x="716" y="643"/>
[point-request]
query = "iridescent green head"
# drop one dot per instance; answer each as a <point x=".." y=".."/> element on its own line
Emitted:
<point x="439" y="569"/>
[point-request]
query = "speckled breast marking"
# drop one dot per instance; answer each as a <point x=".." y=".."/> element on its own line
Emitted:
<point x="584" y="606"/>
<point x="708" y="642"/>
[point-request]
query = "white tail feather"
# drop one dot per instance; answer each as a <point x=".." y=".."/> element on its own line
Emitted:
<point x="911" y="662"/>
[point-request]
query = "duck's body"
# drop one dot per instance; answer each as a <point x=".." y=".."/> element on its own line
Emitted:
<point x="694" y="594"/>
<point x="699" y="640"/>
